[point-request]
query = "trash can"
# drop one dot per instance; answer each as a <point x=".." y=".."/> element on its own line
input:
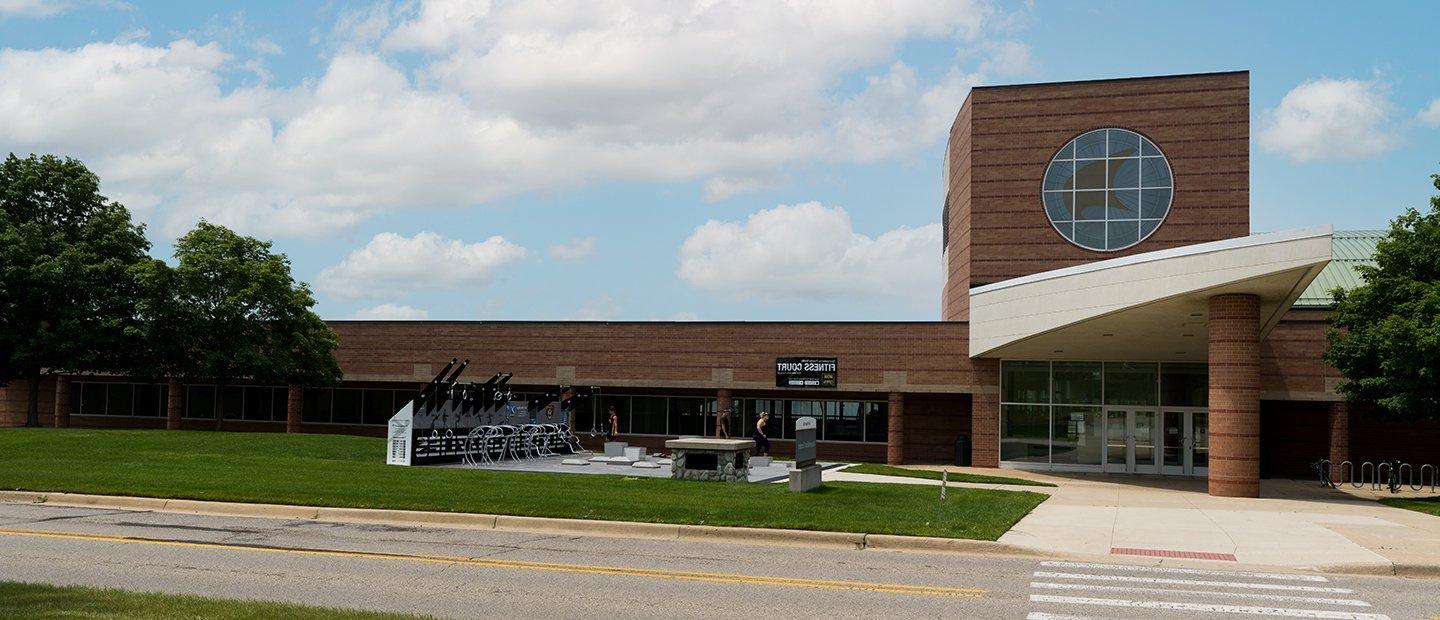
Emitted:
<point x="962" y="451"/>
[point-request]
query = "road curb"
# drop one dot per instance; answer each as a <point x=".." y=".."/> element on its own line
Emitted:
<point x="955" y="545"/>
<point x="514" y="523"/>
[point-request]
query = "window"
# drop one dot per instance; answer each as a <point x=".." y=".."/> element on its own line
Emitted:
<point x="117" y="399"/>
<point x="647" y="415"/>
<point x="1076" y="436"/>
<point x="1077" y="383"/>
<point x="315" y="405"/>
<point x="200" y="401"/>
<point x="835" y="420"/>
<point x="258" y="404"/>
<point x="1025" y="433"/>
<point x="1026" y="382"/>
<point x="1128" y="383"/>
<point x="844" y="422"/>
<point x="1107" y="189"/>
<point x="1184" y="385"/>
<point x="378" y="407"/>
<point x="692" y="416"/>
<point x="345" y="406"/>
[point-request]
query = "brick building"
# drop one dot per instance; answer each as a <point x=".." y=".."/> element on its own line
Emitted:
<point x="1106" y="308"/>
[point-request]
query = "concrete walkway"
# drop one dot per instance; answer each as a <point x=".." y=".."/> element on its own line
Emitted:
<point x="1294" y="523"/>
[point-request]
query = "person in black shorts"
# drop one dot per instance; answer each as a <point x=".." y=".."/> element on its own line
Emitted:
<point x="612" y="428"/>
<point x="762" y="443"/>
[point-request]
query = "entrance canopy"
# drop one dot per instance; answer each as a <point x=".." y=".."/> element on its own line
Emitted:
<point x="1149" y="306"/>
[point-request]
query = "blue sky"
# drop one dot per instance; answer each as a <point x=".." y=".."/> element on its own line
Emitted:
<point x="639" y="160"/>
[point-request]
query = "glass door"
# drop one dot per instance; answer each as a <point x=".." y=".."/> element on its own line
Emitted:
<point x="1199" y="443"/>
<point x="1130" y="440"/>
<point x="1143" y="428"/>
<point x="1117" y="442"/>
<point x="1185" y="443"/>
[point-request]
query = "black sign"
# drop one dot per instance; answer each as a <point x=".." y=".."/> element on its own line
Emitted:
<point x="805" y="372"/>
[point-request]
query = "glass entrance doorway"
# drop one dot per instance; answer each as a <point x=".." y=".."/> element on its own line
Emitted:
<point x="1130" y="440"/>
<point x="1157" y="441"/>
<point x="1185" y="442"/>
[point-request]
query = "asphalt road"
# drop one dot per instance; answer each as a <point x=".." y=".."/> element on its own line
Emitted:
<point x="472" y="573"/>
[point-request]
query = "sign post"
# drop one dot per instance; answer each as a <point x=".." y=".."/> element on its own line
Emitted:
<point x="806" y="475"/>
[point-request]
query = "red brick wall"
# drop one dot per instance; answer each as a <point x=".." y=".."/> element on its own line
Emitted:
<point x="1292" y="366"/>
<point x="931" y="424"/>
<point x="932" y="356"/>
<point x="1200" y="122"/>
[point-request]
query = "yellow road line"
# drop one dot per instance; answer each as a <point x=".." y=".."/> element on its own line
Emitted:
<point x="888" y="588"/>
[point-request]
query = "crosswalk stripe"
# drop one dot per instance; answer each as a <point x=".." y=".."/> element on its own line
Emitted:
<point x="1184" y="571"/>
<point x="1194" y="582"/>
<point x="1208" y="607"/>
<point x="1040" y="615"/>
<point x="1349" y="602"/>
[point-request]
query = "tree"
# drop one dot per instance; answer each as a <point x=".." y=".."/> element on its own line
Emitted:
<point x="66" y="298"/>
<point x="1385" y="335"/>
<point x="230" y="309"/>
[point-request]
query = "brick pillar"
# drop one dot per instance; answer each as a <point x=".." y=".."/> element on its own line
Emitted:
<point x="62" y="401"/>
<point x="1234" y="327"/>
<point x="985" y="414"/>
<point x="173" y="400"/>
<point x="723" y="401"/>
<point x="895" y="440"/>
<point x="294" y="399"/>
<point x="1339" y="437"/>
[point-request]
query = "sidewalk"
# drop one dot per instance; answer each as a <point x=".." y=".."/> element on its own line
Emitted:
<point x="1294" y="523"/>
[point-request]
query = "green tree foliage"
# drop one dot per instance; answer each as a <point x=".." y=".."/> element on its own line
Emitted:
<point x="1385" y="335"/>
<point x="230" y="309"/>
<point x="66" y="298"/>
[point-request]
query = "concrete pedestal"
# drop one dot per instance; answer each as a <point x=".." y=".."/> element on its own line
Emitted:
<point x="805" y="479"/>
<point x="615" y="448"/>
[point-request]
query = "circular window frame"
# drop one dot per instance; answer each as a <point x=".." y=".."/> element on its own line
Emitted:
<point x="1159" y="222"/>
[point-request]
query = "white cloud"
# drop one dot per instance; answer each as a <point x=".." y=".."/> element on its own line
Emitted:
<point x="507" y="98"/>
<point x="602" y="308"/>
<point x="576" y="249"/>
<point x="390" y="312"/>
<point x="810" y="251"/>
<point x="1430" y="115"/>
<point x="391" y="265"/>
<point x="1009" y="58"/>
<point x="1333" y="119"/>
<point x="32" y="8"/>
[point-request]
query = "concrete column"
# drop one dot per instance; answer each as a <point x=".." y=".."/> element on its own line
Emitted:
<point x="985" y="414"/>
<point x="62" y="401"/>
<point x="173" y="403"/>
<point x="895" y="440"/>
<point x="294" y="401"/>
<point x="723" y="401"/>
<point x="1234" y="327"/>
<point x="1339" y="437"/>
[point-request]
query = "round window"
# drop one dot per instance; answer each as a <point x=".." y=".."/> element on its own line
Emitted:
<point x="1108" y="189"/>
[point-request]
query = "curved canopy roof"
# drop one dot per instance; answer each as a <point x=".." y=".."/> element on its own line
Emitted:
<point x="1149" y="306"/>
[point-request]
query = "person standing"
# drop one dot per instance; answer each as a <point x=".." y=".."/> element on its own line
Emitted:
<point x="612" y="431"/>
<point x="762" y="443"/>
<point x="722" y="424"/>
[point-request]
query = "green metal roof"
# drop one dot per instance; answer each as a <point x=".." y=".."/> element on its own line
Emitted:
<point x="1349" y="248"/>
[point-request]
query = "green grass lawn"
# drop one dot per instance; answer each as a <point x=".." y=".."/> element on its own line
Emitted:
<point x="29" y="600"/>
<point x="338" y="470"/>
<point x="886" y="470"/>
<point x="1428" y="505"/>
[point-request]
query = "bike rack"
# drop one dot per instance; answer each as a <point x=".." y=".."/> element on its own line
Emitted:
<point x="1393" y="475"/>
